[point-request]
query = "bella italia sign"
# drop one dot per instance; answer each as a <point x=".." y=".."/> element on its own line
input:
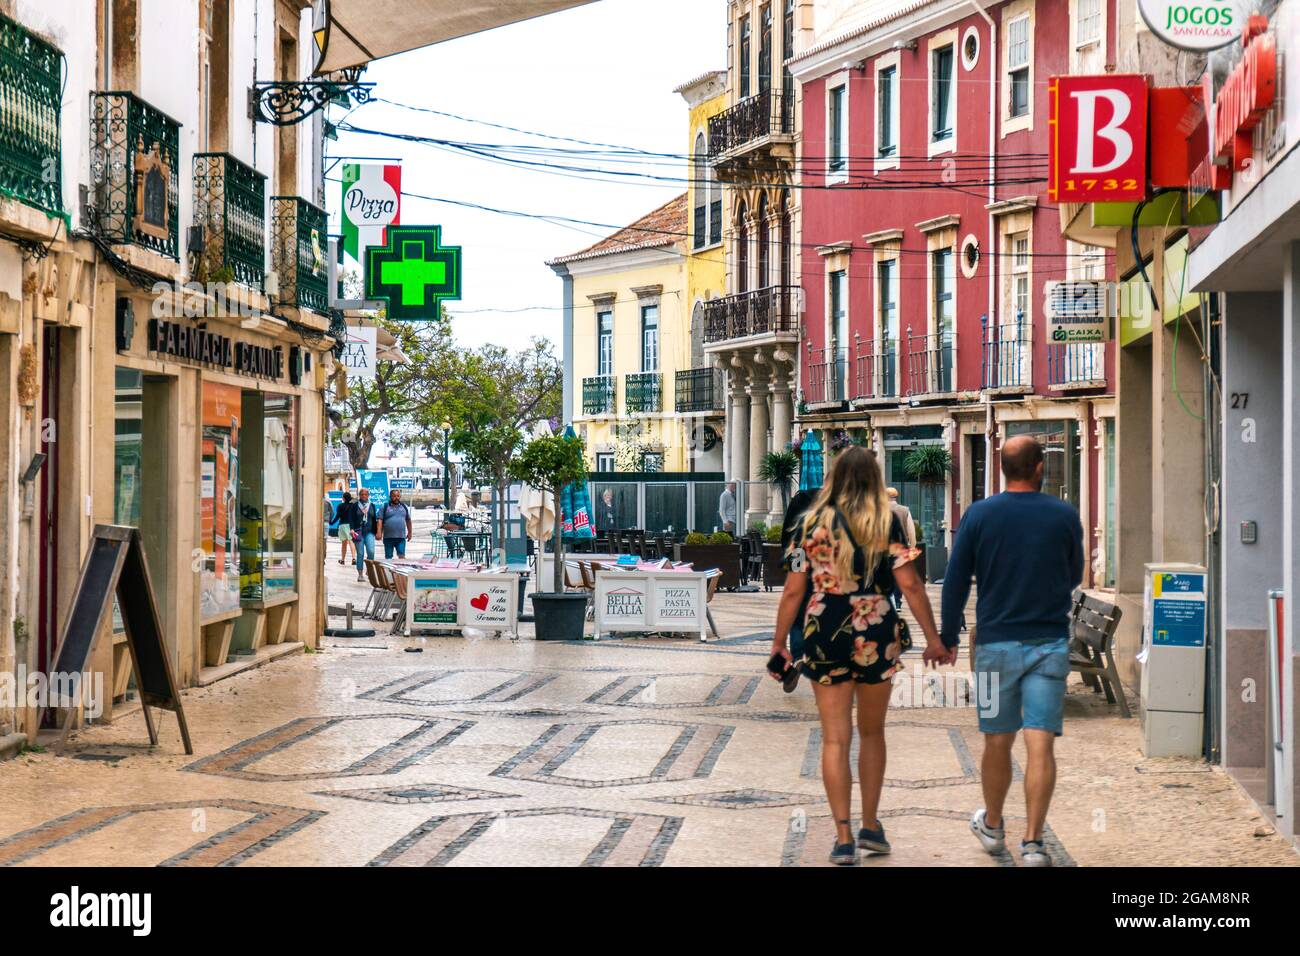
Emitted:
<point x="1196" y="25"/>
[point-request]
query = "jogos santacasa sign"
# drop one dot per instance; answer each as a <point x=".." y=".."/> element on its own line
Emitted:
<point x="1196" y="25"/>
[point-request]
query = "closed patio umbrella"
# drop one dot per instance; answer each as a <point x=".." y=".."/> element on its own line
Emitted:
<point x="576" y="504"/>
<point x="811" y="467"/>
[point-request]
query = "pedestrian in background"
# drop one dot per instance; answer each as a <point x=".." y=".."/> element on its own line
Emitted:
<point x="727" y="508"/>
<point x="395" y="523"/>
<point x="362" y="523"/>
<point x="344" y="514"/>
<point x="904" y="516"/>
<point x="852" y="548"/>
<point x="1025" y="549"/>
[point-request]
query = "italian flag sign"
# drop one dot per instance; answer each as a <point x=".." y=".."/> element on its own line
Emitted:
<point x="372" y="201"/>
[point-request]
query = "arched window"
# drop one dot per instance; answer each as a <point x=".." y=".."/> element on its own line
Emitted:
<point x="787" y="242"/>
<point x="764" y="244"/>
<point x="715" y="208"/>
<point x="702" y="189"/>
<point x="742" y="249"/>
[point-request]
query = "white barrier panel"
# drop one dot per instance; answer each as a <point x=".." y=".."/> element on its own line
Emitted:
<point x="674" y="601"/>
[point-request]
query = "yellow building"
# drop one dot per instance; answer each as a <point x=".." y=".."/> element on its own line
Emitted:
<point x="637" y="385"/>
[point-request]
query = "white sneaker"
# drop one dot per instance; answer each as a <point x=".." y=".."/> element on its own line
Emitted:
<point x="1032" y="853"/>
<point x="993" y="839"/>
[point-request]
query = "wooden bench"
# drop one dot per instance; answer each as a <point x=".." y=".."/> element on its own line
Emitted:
<point x="1093" y="623"/>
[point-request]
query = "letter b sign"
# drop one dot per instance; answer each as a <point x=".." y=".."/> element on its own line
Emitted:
<point x="1098" y="147"/>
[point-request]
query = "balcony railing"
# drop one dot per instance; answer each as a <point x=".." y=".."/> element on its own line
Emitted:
<point x="1076" y="365"/>
<point x="30" y="96"/>
<point x="598" y="395"/>
<point x="230" y="206"/>
<point x="134" y="178"/>
<point x="875" y="370"/>
<point x="1008" y="355"/>
<point x="931" y="366"/>
<point x="763" y="312"/>
<point x="643" y="392"/>
<point x="700" y="390"/>
<point x="298" y="249"/>
<point x="827" y="379"/>
<point x="765" y="114"/>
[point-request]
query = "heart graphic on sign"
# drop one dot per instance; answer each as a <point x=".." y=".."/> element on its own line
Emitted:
<point x="479" y="603"/>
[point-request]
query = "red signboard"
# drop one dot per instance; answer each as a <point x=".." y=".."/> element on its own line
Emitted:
<point x="1098" y="150"/>
<point x="1245" y="97"/>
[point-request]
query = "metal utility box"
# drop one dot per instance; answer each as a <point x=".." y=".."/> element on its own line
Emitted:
<point x="1173" y="660"/>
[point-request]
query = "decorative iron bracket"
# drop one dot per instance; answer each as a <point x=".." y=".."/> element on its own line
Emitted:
<point x="286" y="103"/>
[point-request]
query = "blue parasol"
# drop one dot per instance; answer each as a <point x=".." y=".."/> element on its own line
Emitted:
<point x="576" y="505"/>
<point x="811" y="466"/>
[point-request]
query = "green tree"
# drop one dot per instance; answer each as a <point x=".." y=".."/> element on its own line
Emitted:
<point x="548" y="464"/>
<point x="779" y="469"/>
<point x="389" y="405"/>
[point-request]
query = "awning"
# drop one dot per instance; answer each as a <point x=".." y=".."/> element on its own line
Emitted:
<point x="354" y="32"/>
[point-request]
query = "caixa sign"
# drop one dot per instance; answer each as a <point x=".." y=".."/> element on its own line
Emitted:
<point x="1098" y="130"/>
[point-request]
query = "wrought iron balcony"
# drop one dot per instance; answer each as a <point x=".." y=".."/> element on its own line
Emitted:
<point x="134" y="172"/>
<point x="230" y="206"/>
<point x="700" y="390"/>
<point x="750" y="123"/>
<point x="599" y="395"/>
<point x="643" y="392"/>
<point x="1007" y="363"/>
<point x="298" y="250"/>
<point x="30" y="97"/>
<point x="1076" y="365"/>
<point x="769" y="311"/>
<point x="827" y="380"/>
<point x="931" y="364"/>
<point x="875" y="370"/>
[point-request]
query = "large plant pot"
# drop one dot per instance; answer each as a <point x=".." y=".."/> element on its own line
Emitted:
<point x="774" y="571"/>
<point x="559" y="617"/>
<point x="703" y="557"/>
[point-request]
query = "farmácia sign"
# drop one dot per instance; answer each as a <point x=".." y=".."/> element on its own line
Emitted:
<point x="1194" y="24"/>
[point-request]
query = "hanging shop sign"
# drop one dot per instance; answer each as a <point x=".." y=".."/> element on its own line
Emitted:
<point x="1078" y="311"/>
<point x="1196" y="25"/>
<point x="359" y="352"/>
<point x="413" y="273"/>
<point x="372" y="201"/>
<point x="215" y="350"/>
<point x="1098" y="142"/>
<point x="1244" y="99"/>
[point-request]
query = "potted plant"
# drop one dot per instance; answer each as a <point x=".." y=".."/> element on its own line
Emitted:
<point x="705" y="551"/>
<point x="548" y="463"/>
<point x="780" y="469"/>
<point x="773" y="558"/>
<point x="930" y="465"/>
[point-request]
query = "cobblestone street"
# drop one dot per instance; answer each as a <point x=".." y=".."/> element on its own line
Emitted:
<point x="641" y="751"/>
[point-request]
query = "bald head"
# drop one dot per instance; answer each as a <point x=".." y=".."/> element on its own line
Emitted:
<point x="1022" y="461"/>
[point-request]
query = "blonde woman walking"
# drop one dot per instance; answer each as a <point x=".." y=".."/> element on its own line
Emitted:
<point x="849" y="552"/>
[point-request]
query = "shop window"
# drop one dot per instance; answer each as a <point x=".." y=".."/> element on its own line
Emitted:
<point x="219" y="518"/>
<point x="268" y="506"/>
<point x="1060" y="441"/>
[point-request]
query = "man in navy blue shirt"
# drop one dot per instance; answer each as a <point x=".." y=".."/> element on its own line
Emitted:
<point x="1025" y="550"/>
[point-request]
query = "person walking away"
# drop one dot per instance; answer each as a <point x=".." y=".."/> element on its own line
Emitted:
<point x="362" y="523"/>
<point x="1025" y="549"/>
<point x="852" y="547"/>
<point x="727" y="508"/>
<point x="904" y="515"/>
<point x="395" y="519"/>
<point x="345" y="527"/>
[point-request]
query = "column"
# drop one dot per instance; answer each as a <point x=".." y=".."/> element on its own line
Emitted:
<point x="737" y="425"/>
<point x="781" y="422"/>
<point x="1288" y="799"/>
<point x="1133" y="499"/>
<point x="756" y="493"/>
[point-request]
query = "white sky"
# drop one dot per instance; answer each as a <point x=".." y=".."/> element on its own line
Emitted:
<point x="603" y="72"/>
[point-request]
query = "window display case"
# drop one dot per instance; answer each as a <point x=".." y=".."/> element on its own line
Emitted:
<point x="218" y="496"/>
<point x="268" y="497"/>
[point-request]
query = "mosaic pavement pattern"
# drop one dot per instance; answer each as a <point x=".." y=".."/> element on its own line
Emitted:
<point x="640" y="751"/>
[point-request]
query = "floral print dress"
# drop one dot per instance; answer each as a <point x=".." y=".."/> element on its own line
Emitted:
<point x="851" y="630"/>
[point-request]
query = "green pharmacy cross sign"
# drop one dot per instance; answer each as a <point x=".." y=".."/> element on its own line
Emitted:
<point x="413" y="272"/>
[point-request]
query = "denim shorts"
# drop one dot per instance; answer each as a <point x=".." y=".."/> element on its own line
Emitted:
<point x="1021" y="685"/>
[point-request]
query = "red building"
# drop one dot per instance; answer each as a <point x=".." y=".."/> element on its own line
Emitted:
<point x="927" y="245"/>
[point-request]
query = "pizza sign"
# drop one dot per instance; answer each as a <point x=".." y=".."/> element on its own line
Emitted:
<point x="1098" y="138"/>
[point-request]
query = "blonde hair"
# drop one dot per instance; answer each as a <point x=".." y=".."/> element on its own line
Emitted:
<point x="856" y="487"/>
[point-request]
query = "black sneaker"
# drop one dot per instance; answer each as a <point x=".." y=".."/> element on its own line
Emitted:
<point x="844" y="854"/>
<point x="873" y="840"/>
